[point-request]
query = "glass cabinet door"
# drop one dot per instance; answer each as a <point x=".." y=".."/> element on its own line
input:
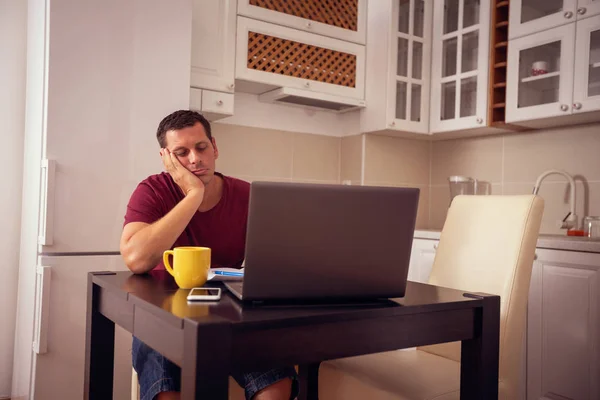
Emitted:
<point x="531" y="16"/>
<point x="409" y="106"/>
<point x="540" y="75"/>
<point x="586" y="92"/>
<point x="587" y="8"/>
<point x="460" y="64"/>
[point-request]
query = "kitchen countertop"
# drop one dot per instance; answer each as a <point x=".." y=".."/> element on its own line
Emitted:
<point x="545" y="241"/>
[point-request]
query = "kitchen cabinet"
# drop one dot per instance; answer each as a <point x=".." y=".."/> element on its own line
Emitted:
<point x="421" y="259"/>
<point x="586" y="84"/>
<point x="533" y="93"/>
<point x="460" y="65"/>
<point x="398" y="66"/>
<point x="555" y="73"/>
<point x="213" y="105"/>
<point x="562" y="349"/>
<point x="340" y="19"/>
<point x="533" y="16"/>
<point x="271" y="56"/>
<point x="213" y="45"/>
<point x="563" y="326"/>
<point x="587" y="8"/>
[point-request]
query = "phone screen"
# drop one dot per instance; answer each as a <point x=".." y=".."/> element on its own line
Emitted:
<point x="204" y="292"/>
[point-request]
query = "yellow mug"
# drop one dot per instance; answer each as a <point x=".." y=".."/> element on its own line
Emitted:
<point x="190" y="265"/>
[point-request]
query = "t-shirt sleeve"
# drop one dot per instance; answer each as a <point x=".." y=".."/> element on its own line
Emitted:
<point x="144" y="205"/>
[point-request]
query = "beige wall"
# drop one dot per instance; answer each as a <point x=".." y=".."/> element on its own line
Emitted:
<point x="266" y="154"/>
<point x="389" y="161"/>
<point x="512" y="164"/>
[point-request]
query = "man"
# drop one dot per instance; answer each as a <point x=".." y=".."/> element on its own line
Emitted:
<point x="190" y="205"/>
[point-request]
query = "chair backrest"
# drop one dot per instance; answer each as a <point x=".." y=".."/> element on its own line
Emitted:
<point x="488" y="245"/>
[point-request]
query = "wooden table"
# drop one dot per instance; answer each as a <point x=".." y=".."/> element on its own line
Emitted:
<point x="210" y="341"/>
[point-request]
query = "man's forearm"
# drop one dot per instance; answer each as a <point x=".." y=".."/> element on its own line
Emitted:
<point x="145" y="248"/>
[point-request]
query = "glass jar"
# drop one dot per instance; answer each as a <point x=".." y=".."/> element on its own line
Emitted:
<point x="591" y="226"/>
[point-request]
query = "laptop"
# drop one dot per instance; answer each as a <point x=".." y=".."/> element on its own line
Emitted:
<point x="326" y="242"/>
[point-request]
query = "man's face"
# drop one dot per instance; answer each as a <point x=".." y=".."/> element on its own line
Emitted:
<point x="194" y="150"/>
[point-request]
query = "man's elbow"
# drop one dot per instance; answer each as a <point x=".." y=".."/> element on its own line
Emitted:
<point x="135" y="261"/>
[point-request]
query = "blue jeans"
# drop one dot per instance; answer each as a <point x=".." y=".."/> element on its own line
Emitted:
<point x="157" y="374"/>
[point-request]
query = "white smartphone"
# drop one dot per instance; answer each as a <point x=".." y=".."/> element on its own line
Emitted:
<point x="204" y="294"/>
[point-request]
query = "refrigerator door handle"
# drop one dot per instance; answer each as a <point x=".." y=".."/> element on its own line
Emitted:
<point x="42" y="310"/>
<point x="47" y="205"/>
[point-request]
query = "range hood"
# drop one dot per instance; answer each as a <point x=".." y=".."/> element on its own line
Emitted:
<point x="307" y="98"/>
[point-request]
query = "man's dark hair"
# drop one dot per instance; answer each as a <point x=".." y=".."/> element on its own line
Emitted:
<point x="178" y="120"/>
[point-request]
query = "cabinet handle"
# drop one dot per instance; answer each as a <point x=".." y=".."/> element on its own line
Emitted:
<point x="393" y="123"/>
<point x="220" y="102"/>
<point x="479" y="121"/>
<point x="307" y="84"/>
<point x="568" y="15"/>
<point x="564" y="107"/>
<point x="577" y="106"/>
<point x="581" y="10"/>
<point x="308" y="25"/>
<point x="435" y="246"/>
<point x="231" y="86"/>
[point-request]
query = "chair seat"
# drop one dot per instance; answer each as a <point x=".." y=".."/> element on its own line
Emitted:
<point x="396" y="375"/>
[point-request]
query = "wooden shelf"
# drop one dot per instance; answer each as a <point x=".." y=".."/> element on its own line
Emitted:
<point x="500" y="64"/>
<point x="502" y="24"/>
<point x="499" y="85"/>
<point x="596" y="65"/>
<point x="499" y="105"/>
<point x="502" y="4"/>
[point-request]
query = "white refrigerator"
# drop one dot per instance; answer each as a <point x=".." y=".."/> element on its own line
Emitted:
<point x="100" y="77"/>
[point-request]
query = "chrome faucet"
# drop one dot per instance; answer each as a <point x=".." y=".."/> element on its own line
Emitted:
<point x="570" y="220"/>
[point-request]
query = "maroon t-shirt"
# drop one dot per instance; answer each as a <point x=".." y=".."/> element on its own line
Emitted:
<point x="222" y="228"/>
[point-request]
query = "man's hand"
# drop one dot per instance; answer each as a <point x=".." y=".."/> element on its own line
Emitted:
<point x="186" y="180"/>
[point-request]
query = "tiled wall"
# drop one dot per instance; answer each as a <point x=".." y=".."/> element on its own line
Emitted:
<point x="512" y="164"/>
<point x="265" y="154"/>
<point x="389" y="161"/>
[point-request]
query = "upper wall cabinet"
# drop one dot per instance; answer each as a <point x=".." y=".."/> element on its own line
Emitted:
<point x="460" y="64"/>
<point x="213" y="45"/>
<point x="213" y="58"/>
<point x="532" y="16"/>
<point x="555" y="73"/>
<point x="398" y="66"/>
<point x="340" y="19"/>
<point x="270" y="56"/>
<point x="587" y="8"/>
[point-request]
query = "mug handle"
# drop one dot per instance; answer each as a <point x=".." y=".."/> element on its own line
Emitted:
<point x="166" y="255"/>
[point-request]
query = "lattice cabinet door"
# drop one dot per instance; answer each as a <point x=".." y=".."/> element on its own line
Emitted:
<point x="277" y="56"/>
<point x="340" y="19"/>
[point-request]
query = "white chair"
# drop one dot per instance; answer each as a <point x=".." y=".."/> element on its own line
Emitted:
<point x="487" y="245"/>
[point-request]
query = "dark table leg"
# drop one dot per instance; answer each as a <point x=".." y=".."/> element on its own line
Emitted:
<point x="309" y="381"/>
<point x="99" y="348"/>
<point x="206" y="361"/>
<point x="480" y="355"/>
